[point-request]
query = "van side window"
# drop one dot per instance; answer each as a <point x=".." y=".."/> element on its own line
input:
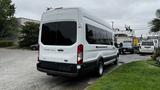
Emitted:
<point x="95" y="35"/>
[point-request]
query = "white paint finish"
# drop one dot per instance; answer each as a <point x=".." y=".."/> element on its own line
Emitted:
<point x="49" y="53"/>
<point x="147" y="48"/>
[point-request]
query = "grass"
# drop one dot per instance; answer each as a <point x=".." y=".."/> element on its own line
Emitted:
<point x="141" y="75"/>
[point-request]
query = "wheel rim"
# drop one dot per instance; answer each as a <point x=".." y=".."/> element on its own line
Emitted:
<point x="100" y="69"/>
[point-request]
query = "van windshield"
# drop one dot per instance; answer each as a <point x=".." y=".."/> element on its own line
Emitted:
<point x="59" y="33"/>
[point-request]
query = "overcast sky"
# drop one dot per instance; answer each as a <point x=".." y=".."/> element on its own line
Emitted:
<point x="136" y="13"/>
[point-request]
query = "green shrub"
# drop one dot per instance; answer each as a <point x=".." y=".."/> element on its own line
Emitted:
<point x="6" y="43"/>
<point x="156" y="54"/>
<point x="29" y="34"/>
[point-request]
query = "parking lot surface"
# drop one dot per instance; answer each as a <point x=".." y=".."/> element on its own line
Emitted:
<point x="18" y="72"/>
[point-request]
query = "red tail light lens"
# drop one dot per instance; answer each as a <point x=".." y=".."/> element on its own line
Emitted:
<point x="80" y="54"/>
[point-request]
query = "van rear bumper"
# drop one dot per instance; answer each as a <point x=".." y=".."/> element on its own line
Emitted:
<point x="60" y="69"/>
<point x="52" y="72"/>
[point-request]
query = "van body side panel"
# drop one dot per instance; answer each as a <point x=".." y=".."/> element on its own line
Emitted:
<point x="95" y="51"/>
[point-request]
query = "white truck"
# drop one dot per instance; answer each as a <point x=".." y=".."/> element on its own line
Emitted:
<point x="147" y="46"/>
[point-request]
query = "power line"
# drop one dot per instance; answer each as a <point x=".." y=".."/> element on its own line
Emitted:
<point x="140" y="29"/>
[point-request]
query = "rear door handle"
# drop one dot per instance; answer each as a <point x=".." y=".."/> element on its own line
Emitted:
<point x="101" y="46"/>
<point x="60" y="50"/>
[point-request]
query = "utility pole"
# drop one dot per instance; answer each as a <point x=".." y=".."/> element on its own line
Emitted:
<point x="113" y="25"/>
<point x="141" y="36"/>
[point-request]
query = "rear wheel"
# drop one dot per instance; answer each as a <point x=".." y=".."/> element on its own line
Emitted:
<point x="33" y="48"/>
<point x="51" y="74"/>
<point x="100" y="69"/>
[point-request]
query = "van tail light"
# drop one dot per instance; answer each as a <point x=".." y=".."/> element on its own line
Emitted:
<point x="80" y="54"/>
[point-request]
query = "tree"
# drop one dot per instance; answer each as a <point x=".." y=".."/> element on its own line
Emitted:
<point x="8" y="23"/>
<point x="158" y="13"/>
<point x="29" y="34"/>
<point x="155" y="25"/>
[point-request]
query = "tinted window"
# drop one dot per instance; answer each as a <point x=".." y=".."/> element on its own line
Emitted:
<point x="127" y="42"/>
<point x="59" y="33"/>
<point x="147" y="43"/>
<point x="96" y="35"/>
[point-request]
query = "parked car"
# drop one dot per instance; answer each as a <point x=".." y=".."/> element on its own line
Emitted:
<point x="147" y="46"/>
<point x="128" y="47"/>
<point x="34" y="47"/>
<point x="72" y="43"/>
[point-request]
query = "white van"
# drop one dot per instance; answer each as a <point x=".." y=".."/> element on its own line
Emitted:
<point x="72" y="42"/>
<point x="147" y="46"/>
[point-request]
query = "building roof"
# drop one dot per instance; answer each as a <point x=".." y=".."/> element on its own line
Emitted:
<point x="22" y="20"/>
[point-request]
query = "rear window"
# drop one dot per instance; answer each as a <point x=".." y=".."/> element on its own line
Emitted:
<point x="147" y="43"/>
<point x="127" y="42"/>
<point x="59" y="33"/>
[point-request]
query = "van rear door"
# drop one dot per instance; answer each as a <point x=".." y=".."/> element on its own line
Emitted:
<point x="58" y="42"/>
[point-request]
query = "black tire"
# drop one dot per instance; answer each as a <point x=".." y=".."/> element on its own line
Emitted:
<point x="33" y="48"/>
<point x="51" y="74"/>
<point x="116" y="61"/>
<point x="99" y="69"/>
<point x="132" y="52"/>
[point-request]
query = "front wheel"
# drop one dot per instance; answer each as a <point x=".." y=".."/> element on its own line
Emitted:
<point x="100" y="69"/>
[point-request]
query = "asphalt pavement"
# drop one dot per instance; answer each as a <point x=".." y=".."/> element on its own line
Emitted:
<point x="18" y="72"/>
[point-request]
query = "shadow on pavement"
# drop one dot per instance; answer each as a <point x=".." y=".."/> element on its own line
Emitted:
<point x="78" y="83"/>
<point x="145" y="54"/>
